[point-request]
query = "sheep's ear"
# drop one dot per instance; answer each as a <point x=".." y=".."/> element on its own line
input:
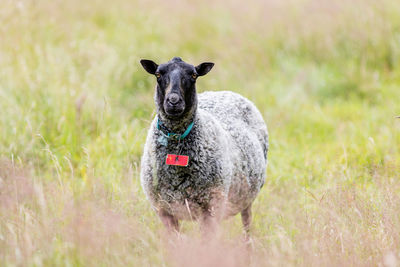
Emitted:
<point x="204" y="68"/>
<point x="149" y="66"/>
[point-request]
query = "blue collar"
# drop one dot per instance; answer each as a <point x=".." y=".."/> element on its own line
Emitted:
<point x="174" y="135"/>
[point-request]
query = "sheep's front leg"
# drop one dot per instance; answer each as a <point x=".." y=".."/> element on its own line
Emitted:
<point x="169" y="221"/>
<point x="208" y="226"/>
<point x="246" y="220"/>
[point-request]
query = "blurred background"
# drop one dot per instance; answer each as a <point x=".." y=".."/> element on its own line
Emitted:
<point x="76" y="105"/>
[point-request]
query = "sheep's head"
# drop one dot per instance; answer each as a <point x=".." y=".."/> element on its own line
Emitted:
<point x="176" y="90"/>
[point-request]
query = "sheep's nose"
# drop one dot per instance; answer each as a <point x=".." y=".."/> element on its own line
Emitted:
<point x="173" y="99"/>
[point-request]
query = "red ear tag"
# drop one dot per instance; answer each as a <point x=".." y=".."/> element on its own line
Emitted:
<point x="177" y="160"/>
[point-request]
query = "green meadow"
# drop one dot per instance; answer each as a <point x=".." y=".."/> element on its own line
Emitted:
<point x="76" y="105"/>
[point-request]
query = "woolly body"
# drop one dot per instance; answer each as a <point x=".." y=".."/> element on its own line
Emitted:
<point x="227" y="149"/>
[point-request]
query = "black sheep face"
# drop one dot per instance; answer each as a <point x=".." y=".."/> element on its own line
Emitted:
<point x="176" y="90"/>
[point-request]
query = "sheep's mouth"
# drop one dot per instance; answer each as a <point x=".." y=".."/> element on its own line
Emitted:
<point x="174" y="111"/>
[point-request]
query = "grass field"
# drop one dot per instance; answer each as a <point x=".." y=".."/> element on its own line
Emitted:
<point x="75" y="107"/>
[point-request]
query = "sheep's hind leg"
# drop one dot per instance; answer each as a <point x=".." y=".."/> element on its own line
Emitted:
<point x="246" y="220"/>
<point x="169" y="221"/>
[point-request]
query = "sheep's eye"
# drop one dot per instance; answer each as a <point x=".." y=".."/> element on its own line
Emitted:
<point x="194" y="75"/>
<point x="158" y="75"/>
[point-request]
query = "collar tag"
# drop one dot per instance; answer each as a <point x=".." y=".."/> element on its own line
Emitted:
<point x="163" y="140"/>
<point x="177" y="160"/>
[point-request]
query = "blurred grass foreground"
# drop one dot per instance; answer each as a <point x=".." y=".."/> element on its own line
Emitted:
<point x="75" y="107"/>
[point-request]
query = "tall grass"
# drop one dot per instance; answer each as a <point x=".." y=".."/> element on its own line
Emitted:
<point x="75" y="107"/>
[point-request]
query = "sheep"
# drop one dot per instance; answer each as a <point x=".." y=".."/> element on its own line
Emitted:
<point x="205" y="155"/>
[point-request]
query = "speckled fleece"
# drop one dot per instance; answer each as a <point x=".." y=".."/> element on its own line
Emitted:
<point x="227" y="149"/>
